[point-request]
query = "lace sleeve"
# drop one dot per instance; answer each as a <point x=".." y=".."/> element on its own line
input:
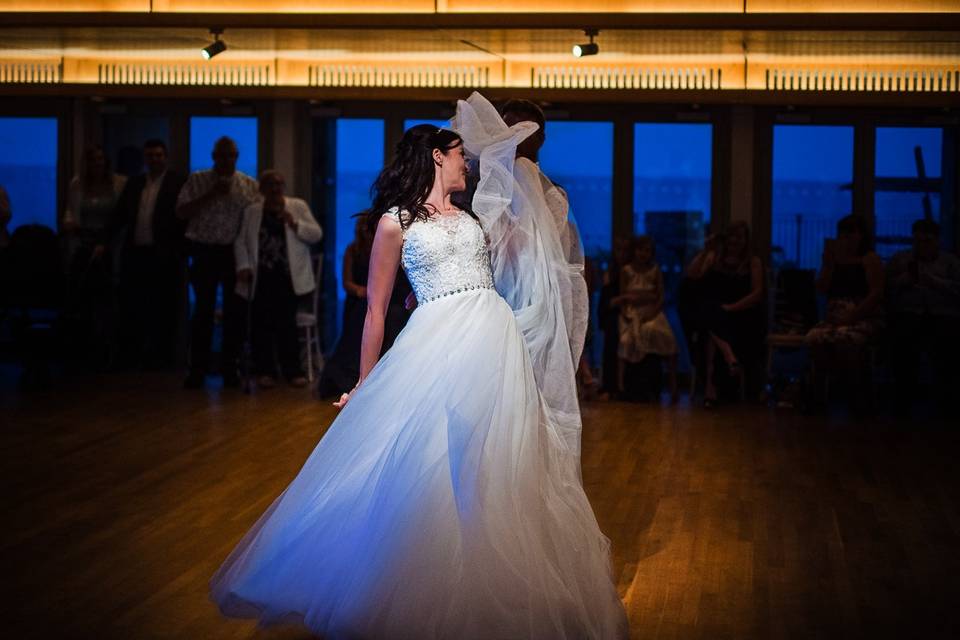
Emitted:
<point x="535" y="255"/>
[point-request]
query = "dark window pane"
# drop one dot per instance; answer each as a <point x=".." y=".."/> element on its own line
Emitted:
<point x="578" y="156"/>
<point x="896" y="150"/>
<point x="672" y="185"/>
<point x="439" y="124"/>
<point x="28" y="169"/>
<point x="907" y="184"/>
<point x="359" y="160"/>
<point x="812" y="177"/>
<point x="204" y="131"/>
<point x="123" y="138"/>
<point x="672" y="171"/>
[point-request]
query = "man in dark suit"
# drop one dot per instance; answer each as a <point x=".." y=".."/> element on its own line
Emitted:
<point x="152" y="268"/>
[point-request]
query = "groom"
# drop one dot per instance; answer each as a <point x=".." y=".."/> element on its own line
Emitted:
<point x="513" y="111"/>
<point x="519" y="110"/>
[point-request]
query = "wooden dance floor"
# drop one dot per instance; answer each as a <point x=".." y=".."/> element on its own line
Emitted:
<point x="123" y="493"/>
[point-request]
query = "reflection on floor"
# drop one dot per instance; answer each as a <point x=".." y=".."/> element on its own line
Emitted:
<point x="125" y="492"/>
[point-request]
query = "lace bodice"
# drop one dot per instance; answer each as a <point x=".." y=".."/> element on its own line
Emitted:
<point x="445" y="255"/>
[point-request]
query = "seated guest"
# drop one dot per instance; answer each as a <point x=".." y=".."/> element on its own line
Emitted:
<point x="730" y="297"/>
<point x="643" y="328"/>
<point x="152" y="265"/>
<point x="273" y="268"/>
<point x="851" y="277"/>
<point x="342" y="370"/>
<point x="923" y="294"/>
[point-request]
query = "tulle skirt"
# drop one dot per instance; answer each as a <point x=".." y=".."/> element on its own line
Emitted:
<point x="441" y="503"/>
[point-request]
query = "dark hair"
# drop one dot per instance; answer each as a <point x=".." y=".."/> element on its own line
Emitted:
<point x="521" y="107"/>
<point x="226" y="141"/>
<point x="854" y="224"/>
<point x="923" y="225"/>
<point x="636" y="242"/>
<point x="96" y="184"/>
<point x="406" y="181"/>
<point x="152" y="143"/>
<point x="746" y="254"/>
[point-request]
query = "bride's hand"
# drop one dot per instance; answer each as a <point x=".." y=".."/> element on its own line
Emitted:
<point x="345" y="397"/>
<point x="342" y="402"/>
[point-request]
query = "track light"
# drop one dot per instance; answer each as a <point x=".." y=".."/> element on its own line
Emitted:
<point x="216" y="47"/>
<point x="588" y="49"/>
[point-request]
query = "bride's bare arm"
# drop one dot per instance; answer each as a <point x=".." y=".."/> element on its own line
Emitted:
<point x="384" y="261"/>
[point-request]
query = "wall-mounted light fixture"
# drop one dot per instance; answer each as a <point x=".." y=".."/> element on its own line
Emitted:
<point x="590" y="48"/>
<point x="216" y="47"/>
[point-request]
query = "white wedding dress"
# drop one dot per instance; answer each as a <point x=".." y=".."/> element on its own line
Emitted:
<point x="445" y="500"/>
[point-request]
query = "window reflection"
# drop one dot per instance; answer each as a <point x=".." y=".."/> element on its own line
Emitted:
<point x="908" y="183"/>
<point x="812" y="177"/>
<point x="204" y="131"/>
<point x="28" y="169"/>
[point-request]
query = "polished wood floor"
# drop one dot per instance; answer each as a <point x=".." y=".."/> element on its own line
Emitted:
<point x="123" y="494"/>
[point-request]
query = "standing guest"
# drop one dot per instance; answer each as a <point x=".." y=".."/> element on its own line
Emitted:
<point x="343" y="367"/>
<point x="852" y="278"/>
<point x="610" y="317"/>
<point x="212" y="202"/>
<point x="151" y="261"/>
<point x="643" y="328"/>
<point x="923" y="286"/>
<point x="587" y="384"/>
<point x="731" y="295"/>
<point x="274" y="268"/>
<point x="91" y="200"/>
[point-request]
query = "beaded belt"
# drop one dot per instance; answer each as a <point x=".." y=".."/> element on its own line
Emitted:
<point x="460" y="290"/>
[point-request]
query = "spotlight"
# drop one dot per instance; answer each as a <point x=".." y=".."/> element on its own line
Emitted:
<point x="216" y="47"/>
<point x="588" y="49"/>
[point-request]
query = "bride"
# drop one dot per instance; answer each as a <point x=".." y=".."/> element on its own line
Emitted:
<point x="445" y="500"/>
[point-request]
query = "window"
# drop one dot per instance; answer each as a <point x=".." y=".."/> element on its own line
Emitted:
<point x="123" y="138"/>
<point x="672" y="171"/>
<point x="204" y="131"/>
<point x="908" y="183"/>
<point x="672" y="166"/>
<point x="812" y="179"/>
<point x="359" y="158"/>
<point x="439" y="124"/>
<point x="28" y="169"/>
<point x="578" y="156"/>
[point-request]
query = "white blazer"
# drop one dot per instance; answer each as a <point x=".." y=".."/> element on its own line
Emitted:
<point x="247" y="244"/>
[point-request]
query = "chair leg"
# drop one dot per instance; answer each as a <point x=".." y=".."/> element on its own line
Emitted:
<point x="309" y="354"/>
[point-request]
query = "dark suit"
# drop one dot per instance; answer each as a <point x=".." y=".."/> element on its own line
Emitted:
<point x="152" y="276"/>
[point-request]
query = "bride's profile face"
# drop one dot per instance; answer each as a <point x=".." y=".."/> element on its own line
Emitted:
<point x="453" y="169"/>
